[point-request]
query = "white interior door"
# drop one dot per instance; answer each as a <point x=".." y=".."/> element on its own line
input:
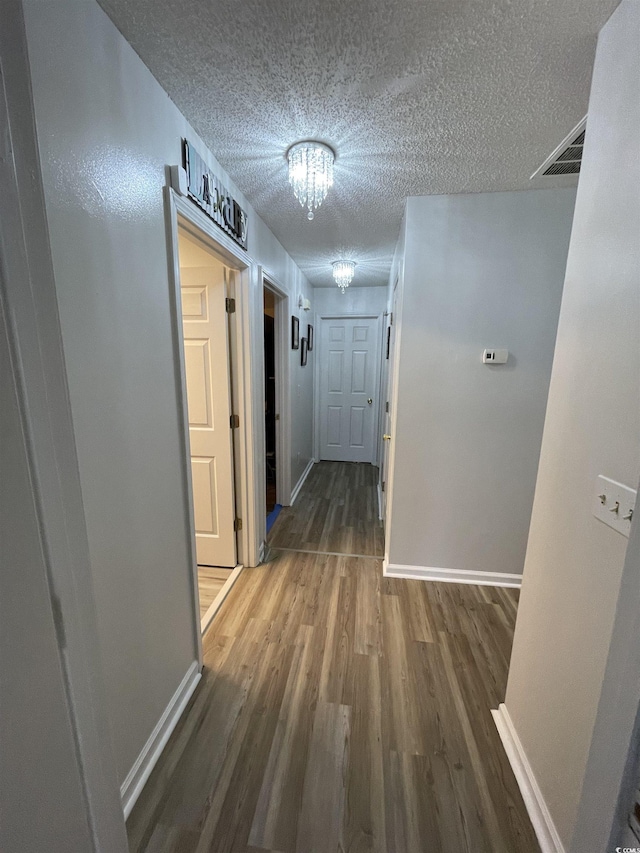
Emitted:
<point x="349" y="364"/>
<point x="206" y="357"/>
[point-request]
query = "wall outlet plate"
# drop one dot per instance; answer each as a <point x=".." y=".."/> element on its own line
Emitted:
<point x="614" y="504"/>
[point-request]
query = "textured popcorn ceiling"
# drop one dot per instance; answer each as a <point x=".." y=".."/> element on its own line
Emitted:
<point x="417" y="97"/>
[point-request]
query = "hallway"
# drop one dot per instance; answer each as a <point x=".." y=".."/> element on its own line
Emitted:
<point x="336" y="512"/>
<point x="339" y="710"/>
<point x="440" y="203"/>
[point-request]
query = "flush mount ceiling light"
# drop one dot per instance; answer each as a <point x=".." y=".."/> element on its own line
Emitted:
<point x="343" y="272"/>
<point x="310" y="173"/>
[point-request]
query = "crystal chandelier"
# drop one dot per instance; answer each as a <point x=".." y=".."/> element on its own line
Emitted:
<point x="310" y="173"/>
<point x="343" y="272"/>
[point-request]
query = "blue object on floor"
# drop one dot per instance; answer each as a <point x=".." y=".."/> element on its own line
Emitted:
<point x="272" y="516"/>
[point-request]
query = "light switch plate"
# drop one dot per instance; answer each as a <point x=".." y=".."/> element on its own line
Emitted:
<point x="608" y="494"/>
<point x="495" y="356"/>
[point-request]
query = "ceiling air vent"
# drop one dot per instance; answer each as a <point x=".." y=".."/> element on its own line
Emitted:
<point x="567" y="157"/>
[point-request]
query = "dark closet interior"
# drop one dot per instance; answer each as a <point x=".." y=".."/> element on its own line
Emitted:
<point x="270" y="397"/>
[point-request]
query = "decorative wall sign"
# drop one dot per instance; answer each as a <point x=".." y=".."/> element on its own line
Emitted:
<point x="304" y="345"/>
<point x="295" y="332"/>
<point x="209" y="193"/>
<point x="310" y="336"/>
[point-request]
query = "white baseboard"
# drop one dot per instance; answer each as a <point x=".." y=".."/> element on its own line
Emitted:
<point x="300" y="483"/>
<point x="215" y="605"/>
<point x="428" y="573"/>
<point x="134" y="783"/>
<point x="546" y="832"/>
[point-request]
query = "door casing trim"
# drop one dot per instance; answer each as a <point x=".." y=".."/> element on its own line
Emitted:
<point x="180" y="210"/>
<point x="283" y="395"/>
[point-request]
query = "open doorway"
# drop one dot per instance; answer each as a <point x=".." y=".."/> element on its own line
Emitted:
<point x="271" y="457"/>
<point x="205" y="284"/>
<point x="273" y="398"/>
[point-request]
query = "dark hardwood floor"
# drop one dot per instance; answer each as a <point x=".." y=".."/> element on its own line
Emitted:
<point x="340" y="711"/>
<point x="336" y="512"/>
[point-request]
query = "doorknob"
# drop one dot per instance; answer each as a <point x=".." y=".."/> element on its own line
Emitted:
<point x="369" y="401"/>
<point x="386" y="437"/>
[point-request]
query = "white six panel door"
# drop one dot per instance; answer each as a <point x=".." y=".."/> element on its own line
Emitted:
<point x="349" y="355"/>
<point x="206" y="354"/>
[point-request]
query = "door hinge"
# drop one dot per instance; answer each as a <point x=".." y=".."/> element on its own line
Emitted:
<point x="230" y="305"/>
<point x="386" y="407"/>
<point x="391" y="319"/>
<point x="235" y="421"/>
<point x="237" y="524"/>
<point x="383" y="485"/>
<point x="277" y="417"/>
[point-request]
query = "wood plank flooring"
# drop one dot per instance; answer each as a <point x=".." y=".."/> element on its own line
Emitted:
<point x="341" y="711"/>
<point x="210" y="582"/>
<point x="336" y="511"/>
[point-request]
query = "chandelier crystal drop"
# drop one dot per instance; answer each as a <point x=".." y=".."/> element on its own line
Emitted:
<point x="310" y="173"/>
<point x="343" y="272"/>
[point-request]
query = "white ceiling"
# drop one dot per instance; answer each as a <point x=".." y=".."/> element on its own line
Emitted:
<point x="416" y="96"/>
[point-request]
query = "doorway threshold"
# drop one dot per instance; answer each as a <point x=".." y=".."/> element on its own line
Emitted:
<point x="328" y="553"/>
<point x="216" y="604"/>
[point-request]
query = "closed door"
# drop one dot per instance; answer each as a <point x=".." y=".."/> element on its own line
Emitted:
<point x="349" y="363"/>
<point x="206" y="358"/>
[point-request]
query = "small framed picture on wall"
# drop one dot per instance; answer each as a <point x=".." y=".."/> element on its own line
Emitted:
<point x="310" y="336"/>
<point x="303" y="352"/>
<point x="295" y="333"/>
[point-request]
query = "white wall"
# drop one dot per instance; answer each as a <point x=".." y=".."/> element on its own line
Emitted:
<point x="106" y="132"/>
<point x="35" y="748"/>
<point x="574" y="563"/>
<point x="279" y="266"/>
<point x="481" y="270"/>
<point x="58" y="788"/>
<point x="301" y="384"/>
<point x="355" y="300"/>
